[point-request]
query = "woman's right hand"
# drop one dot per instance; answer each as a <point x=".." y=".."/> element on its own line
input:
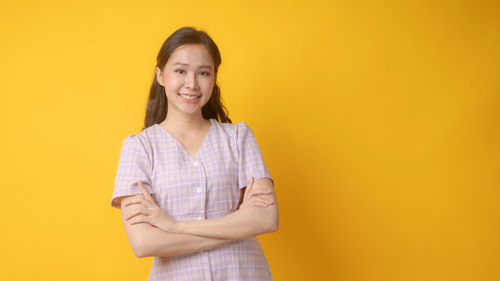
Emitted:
<point x="251" y="197"/>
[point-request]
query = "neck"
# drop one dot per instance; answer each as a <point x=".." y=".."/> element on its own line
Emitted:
<point x="179" y="122"/>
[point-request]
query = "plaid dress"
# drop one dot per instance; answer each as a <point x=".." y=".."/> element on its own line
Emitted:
<point x="206" y="186"/>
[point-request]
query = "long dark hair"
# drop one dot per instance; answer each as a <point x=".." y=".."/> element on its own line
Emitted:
<point x="157" y="107"/>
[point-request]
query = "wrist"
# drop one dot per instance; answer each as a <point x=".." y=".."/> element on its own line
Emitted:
<point x="179" y="227"/>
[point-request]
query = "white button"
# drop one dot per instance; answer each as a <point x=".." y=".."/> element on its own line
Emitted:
<point x="195" y="163"/>
<point x="198" y="190"/>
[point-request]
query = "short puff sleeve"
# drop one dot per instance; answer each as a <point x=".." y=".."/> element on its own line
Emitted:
<point x="134" y="165"/>
<point x="250" y="160"/>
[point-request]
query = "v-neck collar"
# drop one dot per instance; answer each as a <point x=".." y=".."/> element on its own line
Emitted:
<point x="182" y="146"/>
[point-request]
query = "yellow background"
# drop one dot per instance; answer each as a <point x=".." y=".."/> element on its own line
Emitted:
<point x="379" y="121"/>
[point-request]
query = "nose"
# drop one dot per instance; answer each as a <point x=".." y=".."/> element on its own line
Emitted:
<point x="190" y="82"/>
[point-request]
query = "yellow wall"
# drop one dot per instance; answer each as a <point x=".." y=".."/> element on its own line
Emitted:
<point x="379" y="120"/>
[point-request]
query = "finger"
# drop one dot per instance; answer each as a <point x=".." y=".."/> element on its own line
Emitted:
<point x="144" y="191"/>
<point x="266" y="201"/>
<point x="264" y="195"/>
<point x="141" y="212"/>
<point x="136" y="206"/>
<point x="261" y="192"/>
<point x="247" y="188"/>
<point x="139" y="219"/>
<point x="249" y="185"/>
<point x="134" y="214"/>
<point x="261" y="203"/>
<point x="134" y="201"/>
<point x="131" y="197"/>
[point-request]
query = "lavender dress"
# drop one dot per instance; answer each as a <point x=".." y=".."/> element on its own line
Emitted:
<point x="206" y="186"/>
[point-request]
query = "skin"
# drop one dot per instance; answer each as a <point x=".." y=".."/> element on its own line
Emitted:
<point x="189" y="70"/>
<point x="150" y="230"/>
<point x="151" y="213"/>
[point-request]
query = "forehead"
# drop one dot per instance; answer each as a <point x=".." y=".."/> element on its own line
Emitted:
<point x="193" y="55"/>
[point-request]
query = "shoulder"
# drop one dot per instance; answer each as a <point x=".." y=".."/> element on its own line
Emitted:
<point x="141" y="140"/>
<point x="232" y="129"/>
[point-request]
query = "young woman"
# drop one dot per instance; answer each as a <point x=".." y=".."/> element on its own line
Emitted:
<point x="193" y="188"/>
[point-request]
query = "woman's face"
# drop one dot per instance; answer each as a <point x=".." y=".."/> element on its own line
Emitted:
<point x="188" y="78"/>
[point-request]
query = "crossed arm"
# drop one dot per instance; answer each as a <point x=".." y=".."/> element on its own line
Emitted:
<point x="194" y="236"/>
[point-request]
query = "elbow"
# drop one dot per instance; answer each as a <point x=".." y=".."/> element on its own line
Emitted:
<point x="140" y="253"/>
<point x="274" y="226"/>
<point x="140" y="248"/>
<point x="273" y="222"/>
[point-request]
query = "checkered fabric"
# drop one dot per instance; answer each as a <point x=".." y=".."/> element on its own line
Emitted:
<point x="206" y="186"/>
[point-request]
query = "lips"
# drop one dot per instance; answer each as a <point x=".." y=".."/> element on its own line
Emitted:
<point x="189" y="98"/>
<point x="188" y="95"/>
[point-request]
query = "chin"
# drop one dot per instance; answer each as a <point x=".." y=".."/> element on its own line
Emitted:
<point x="191" y="110"/>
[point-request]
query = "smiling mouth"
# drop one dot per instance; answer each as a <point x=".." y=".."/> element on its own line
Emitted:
<point x="190" y="97"/>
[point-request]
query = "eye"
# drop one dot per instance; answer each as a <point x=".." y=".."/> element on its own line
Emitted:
<point x="179" y="71"/>
<point x="204" y="73"/>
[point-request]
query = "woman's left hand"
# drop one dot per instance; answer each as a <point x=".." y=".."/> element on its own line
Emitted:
<point x="150" y="212"/>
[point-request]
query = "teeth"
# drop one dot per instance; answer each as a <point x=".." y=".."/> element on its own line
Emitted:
<point x="189" y="97"/>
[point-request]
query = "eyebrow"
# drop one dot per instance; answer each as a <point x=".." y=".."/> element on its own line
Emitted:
<point x="185" y="64"/>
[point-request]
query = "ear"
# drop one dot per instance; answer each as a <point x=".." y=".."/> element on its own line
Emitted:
<point x="159" y="78"/>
